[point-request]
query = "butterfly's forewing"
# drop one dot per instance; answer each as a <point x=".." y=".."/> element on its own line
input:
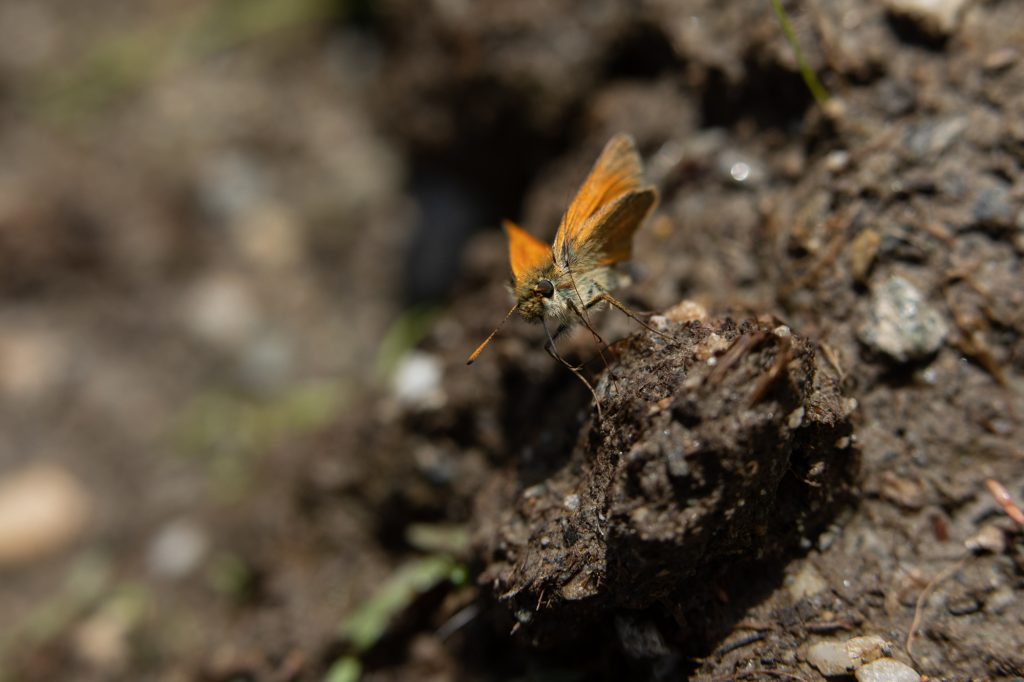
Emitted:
<point x="616" y="173"/>
<point x="610" y="234"/>
<point x="526" y="253"/>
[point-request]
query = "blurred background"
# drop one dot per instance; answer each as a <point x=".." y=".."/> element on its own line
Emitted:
<point x="222" y="224"/>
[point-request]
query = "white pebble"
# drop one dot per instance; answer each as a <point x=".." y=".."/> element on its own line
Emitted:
<point x="830" y="658"/>
<point x="43" y="509"/>
<point x="178" y="548"/>
<point x="901" y="323"/>
<point x="887" y="670"/>
<point x="417" y="380"/>
<point x="939" y="18"/>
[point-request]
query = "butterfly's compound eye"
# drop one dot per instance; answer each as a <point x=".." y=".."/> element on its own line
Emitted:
<point x="545" y="288"/>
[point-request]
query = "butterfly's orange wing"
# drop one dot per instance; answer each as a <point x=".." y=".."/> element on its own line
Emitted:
<point x="526" y="253"/>
<point x="610" y="232"/>
<point x="617" y="176"/>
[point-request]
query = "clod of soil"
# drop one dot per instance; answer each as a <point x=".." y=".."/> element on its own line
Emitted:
<point x="727" y="445"/>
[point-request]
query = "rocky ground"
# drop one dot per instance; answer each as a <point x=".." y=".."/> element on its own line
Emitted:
<point x="245" y="250"/>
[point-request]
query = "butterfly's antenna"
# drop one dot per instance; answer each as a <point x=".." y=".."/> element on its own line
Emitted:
<point x="629" y="313"/>
<point x="554" y="353"/>
<point x="476" y="353"/>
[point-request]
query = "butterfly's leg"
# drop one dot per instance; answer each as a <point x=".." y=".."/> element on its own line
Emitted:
<point x="549" y="345"/>
<point x="629" y="313"/>
<point x="553" y="352"/>
<point x="585" y="319"/>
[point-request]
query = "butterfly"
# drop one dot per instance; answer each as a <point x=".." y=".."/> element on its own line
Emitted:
<point x="564" y="282"/>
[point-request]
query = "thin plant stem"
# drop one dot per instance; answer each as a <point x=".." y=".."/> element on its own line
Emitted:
<point x="818" y="91"/>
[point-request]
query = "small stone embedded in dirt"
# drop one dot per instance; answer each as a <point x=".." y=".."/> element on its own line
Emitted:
<point x="994" y="205"/>
<point x="906" y="492"/>
<point x="177" y="549"/>
<point x="43" y="509"/>
<point x="990" y="538"/>
<point x="837" y="161"/>
<point x="721" y="475"/>
<point x="901" y="323"/>
<point x="935" y="18"/>
<point x="104" y="638"/>
<point x="886" y="670"/>
<point x="686" y="311"/>
<point x="1001" y="59"/>
<point x="33" y="363"/>
<point x="841" y="658"/>
<point x="866" y="649"/>
<point x="863" y="250"/>
<point x="222" y="311"/>
<point x="806" y="583"/>
<point x="932" y="137"/>
<point x="830" y="658"/>
<point x="417" y="380"/>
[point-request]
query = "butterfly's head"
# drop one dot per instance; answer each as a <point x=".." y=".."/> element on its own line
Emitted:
<point x="534" y="296"/>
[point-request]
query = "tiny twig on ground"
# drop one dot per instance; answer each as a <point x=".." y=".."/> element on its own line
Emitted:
<point x="837" y="225"/>
<point x="1005" y="501"/>
<point x="782" y="358"/>
<point x="732" y="355"/>
<point x="833" y="359"/>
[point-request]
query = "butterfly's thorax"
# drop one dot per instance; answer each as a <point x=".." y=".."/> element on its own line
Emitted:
<point x="574" y="293"/>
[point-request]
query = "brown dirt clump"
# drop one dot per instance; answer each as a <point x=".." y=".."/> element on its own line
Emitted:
<point x="730" y="444"/>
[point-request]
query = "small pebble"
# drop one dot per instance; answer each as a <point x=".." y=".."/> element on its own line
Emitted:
<point x="796" y="418"/>
<point x="989" y="539"/>
<point x="104" y="638"/>
<point x="806" y="583"/>
<point x="687" y="311"/>
<point x="417" y="380"/>
<point x="32" y="363"/>
<point x="270" y="237"/>
<point x="177" y="550"/>
<point x="937" y="18"/>
<point x="222" y="311"/>
<point x="887" y="670"/>
<point x="932" y="137"/>
<point x="841" y="658"/>
<point x="1001" y="59"/>
<point x="994" y="206"/>
<point x="830" y="658"/>
<point x="909" y="493"/>
<point x="963" y="605"/>
<point x="837" y="161"/>
<point x="658" y="322"/>
<point x="863" y="250"/>
<point x="866" y="649"/>
<point x="901" y="323"/>
<point x="43" y="509"/>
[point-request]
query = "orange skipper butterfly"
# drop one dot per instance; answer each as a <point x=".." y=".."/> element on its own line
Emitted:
<point x="563" y="282"/>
